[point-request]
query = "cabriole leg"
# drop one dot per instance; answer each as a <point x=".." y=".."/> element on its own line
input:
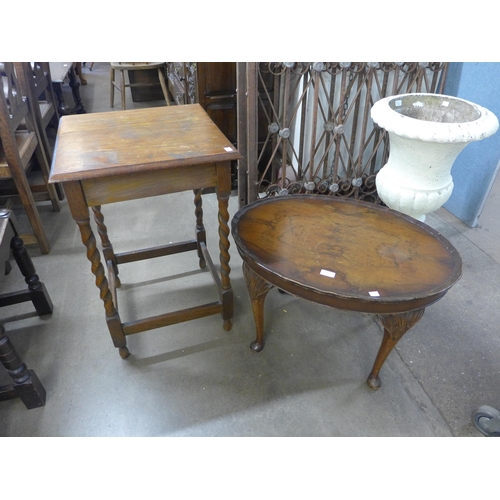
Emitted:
<point x="395" y="326"/>
<point x="257" y="289"/>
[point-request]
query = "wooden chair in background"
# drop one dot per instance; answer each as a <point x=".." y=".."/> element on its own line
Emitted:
<point x="36" y="83"/>
<point x="124" y="67"/>
<point x="20" y="146"/>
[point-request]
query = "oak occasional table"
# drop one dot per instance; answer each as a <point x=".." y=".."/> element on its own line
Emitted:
<point x="115" y="156"/>
<point x="345" y="254"/>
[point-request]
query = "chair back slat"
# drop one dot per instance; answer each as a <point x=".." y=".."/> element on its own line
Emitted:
<point x="38" y="75"/>
<point x="36" y="83"/>
<point x="17" y="106"/>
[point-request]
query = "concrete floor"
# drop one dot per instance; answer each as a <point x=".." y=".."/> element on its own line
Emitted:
<point x="195" y="379"/>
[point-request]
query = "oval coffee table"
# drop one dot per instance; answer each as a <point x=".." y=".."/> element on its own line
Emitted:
<point x="345" y="254"/>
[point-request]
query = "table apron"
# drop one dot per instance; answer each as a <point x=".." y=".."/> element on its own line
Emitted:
<point x="337" y="301"/>
<point x="137" y="185"/>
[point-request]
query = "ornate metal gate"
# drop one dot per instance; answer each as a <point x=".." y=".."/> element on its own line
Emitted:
<point x="306" y="127"/>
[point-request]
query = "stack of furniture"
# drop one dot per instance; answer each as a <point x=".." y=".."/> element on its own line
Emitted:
<point x="24" y="161"/>
<point x="35" y="80"/>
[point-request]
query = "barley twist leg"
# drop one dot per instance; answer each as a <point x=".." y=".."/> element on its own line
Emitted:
<point x="200" y="228"/>
<point x="227" y="292"/>
<point x="112" y="317"/>
<point x="107" y="247"/>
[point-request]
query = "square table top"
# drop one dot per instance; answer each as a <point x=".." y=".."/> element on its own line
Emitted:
<point x="120" y="142"/>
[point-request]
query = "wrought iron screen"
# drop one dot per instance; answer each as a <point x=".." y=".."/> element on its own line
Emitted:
<point x="307" y="127"/>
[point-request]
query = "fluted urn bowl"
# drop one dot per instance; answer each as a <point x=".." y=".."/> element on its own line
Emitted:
<point x="426" y="134"/>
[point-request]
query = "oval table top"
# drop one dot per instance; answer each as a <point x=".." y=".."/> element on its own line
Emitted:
<point x="346" y="253"/>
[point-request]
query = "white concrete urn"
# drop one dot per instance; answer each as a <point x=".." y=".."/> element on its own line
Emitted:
<point x="426" y="134"/>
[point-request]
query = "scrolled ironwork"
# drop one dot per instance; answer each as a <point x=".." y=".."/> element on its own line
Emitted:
<point x="276" y="68"/>
<point x="296" y="188"/>
<point x="301" y="68"/>
<point x="333" y="68"/>
<point x="358" y="188"/>
<point x="409" y="67"/>
<point x="437" y="66"/>
<point x="387" y="67"/>
<point x="318" y="127"/>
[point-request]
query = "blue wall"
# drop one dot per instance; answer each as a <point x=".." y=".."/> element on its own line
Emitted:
<point x="477" y="165"/>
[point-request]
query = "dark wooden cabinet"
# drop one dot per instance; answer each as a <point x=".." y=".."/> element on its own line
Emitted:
<point x="217" y="95"/>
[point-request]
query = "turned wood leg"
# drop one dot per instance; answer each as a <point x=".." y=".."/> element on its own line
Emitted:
<point x="36" y="289"/>
<point x="27" y="387"/>
<point x="112" y="316"/>
<point x="395" y="326"/>
<point x="227" y="292"/>
<point x="200" y="228"/>
<point x="257" y="289"/>
<point x="107" y="247"/>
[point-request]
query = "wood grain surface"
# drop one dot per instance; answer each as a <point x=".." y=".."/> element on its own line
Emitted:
<point x="346" y="248"/>
<point x="121" y="142"/>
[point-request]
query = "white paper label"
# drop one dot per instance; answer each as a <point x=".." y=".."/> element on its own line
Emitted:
<point x="329" y="274"/>
<point x="374" y="294"/>
<point x="228" y="149"/>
